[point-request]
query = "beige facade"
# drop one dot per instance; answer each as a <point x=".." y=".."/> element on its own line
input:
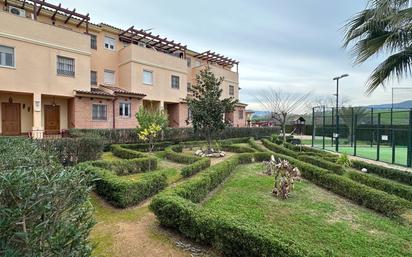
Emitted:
<point x="59" y="68"/>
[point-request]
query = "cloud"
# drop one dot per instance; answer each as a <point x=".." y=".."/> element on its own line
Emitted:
<point x="295" y="45"/>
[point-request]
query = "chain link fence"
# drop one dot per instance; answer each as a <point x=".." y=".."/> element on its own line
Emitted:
<point x="376" y="134"/>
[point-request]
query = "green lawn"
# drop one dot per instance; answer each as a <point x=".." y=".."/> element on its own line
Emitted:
<point x="312" y="217"/>
<point x="364" y="150"/>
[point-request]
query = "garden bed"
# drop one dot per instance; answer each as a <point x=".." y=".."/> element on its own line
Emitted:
<point x="313" y="217"/>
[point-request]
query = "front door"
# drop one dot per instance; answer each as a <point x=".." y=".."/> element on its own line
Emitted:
<point x="10" y="119"/>
<point x="51" y="119"/>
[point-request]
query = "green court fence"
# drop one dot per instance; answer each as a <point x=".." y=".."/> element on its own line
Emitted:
<point x="376" y="134"/>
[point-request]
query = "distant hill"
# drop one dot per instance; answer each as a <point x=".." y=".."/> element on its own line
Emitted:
<point x="261" y="113"/>
<point x="401" y="105"/>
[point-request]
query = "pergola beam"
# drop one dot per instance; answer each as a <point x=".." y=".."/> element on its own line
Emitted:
<point x="216" y="58"/>
<point x="41" y="5"/>
<point x="132" y="35"/>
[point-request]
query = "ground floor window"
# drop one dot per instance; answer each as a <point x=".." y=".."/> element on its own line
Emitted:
<point x="99" y="112"/>
<point x="125" y="110"/>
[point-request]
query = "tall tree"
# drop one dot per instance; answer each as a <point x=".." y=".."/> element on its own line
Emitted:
<point x="282" y="105"/>
<point x="207" y="106"/>
<point x="384" y="27"/>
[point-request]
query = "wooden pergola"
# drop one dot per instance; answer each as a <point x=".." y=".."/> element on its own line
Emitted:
<point x="38" y="5"/>
<point x="212" y="57"/>
<point x="134" y="36"/>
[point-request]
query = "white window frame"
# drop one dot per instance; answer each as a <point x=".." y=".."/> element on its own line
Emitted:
<point x="14" y="58"/>
<point x="91" y="81"/>
<point x="178" y="80"/>
<point x="63" y="74"/>
<point x="114" y="77"/>
<point x="94" y="47"/>
<point x="108" y="44"/>
<point x="230" y="89"/>
<point x="129" y="106"/>
<point x="152" y="78"/>
<point x="99" y="118"/>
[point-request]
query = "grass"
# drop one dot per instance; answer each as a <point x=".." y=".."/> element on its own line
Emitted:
<point x="364" y="150"/>
<point x="313" y="217"/>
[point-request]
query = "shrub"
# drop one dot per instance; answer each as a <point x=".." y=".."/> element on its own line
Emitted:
<point x="344" y="160"/>
<point x="389" y="173"/>
<point x="45" y="208"/>
<point x="159" y="146"/>
<point x="371" y="198"/>
<point x="278" y="148"/>
<point x="173" y="153"/>
<point x="319" y="161"/>
<point x="195" y="167"/>
<point x="127" y="136"/>
<point x="255" y="145"/>
<point x="382" y="184"/>
<point x="127" y="167"/>
<point x="124" y="153"/>
<point x="121" y="191"/>
<point x="71" y="151"/>
<point x="176" y="208"/>
<point x="238" y="149"/>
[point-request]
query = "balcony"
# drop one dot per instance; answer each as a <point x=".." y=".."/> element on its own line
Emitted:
<point x="26" y="29"/>
<point x="36" y="48"/>
<point x="150" y="57"/>
<point x="228" y="75"/>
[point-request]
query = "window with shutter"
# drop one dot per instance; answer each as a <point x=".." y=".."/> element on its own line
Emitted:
<point x="6" y="56"/>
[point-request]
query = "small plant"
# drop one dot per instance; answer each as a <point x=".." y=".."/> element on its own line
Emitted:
<point x="151" y="125"/>
<point x="273" y="138"/>
<point x="344" y="160"/>
<point x="285" y="176"/>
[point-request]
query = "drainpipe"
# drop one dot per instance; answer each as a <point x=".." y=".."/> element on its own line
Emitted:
<point x="114" y="114"/>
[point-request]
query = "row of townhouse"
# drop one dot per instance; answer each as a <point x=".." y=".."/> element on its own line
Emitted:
<point x="59" y="71"/>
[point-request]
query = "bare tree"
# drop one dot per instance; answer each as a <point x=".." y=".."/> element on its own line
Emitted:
<point x="282" y="104"/>
<point x="327" y="101"/>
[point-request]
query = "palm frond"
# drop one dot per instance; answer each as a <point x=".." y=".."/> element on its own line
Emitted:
<point x="395" y="66"/>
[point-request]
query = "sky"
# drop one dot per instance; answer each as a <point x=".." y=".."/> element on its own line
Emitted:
<point x="295" y="45"/>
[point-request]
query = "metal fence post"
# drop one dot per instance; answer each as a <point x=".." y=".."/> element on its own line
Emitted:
<point x="324" y="122"/>
<point x="354" y="135"/>
<point x="379" y="138"/>
<point x="373" y="131"/>
<point x="409" y="163"/>
<point x="393" y="146"/>
<point x="313" y="127"/>
<point x="352" y="123"/>
<point x="337" y="131"/>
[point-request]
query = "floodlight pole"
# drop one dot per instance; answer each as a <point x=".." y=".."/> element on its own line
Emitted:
<point x="337" y="110"/>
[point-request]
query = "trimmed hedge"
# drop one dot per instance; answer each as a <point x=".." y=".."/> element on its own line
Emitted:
<point x="387" y="204"/>
<point x="127" y="167"/>
<point x="195" y="167"/>
<point x="382" y="184"/>
<point x="318" y="161"/>
<point x="123" y="153"/>
<point x="195" y="163"/>
<point x="174" y="153"/>
<point x="177" y="208"/>
<point x="278" y="148"/>
<point x="123" y="192"/>
<point x="237" y="149"/>
<point x="371" y="198"/>
<point x="389" y="173"/>
<point x="126" y="136"/>
<point x="160" y="146"/>
<point x="255" y="145"/>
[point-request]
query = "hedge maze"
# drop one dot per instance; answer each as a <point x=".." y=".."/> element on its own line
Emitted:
<point x="385" y="191"/>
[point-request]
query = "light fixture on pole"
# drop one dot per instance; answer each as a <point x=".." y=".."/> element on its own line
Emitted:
<point x="337" y="109"/>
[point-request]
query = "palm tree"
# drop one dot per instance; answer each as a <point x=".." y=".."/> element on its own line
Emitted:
<point x="384" y="27"/>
